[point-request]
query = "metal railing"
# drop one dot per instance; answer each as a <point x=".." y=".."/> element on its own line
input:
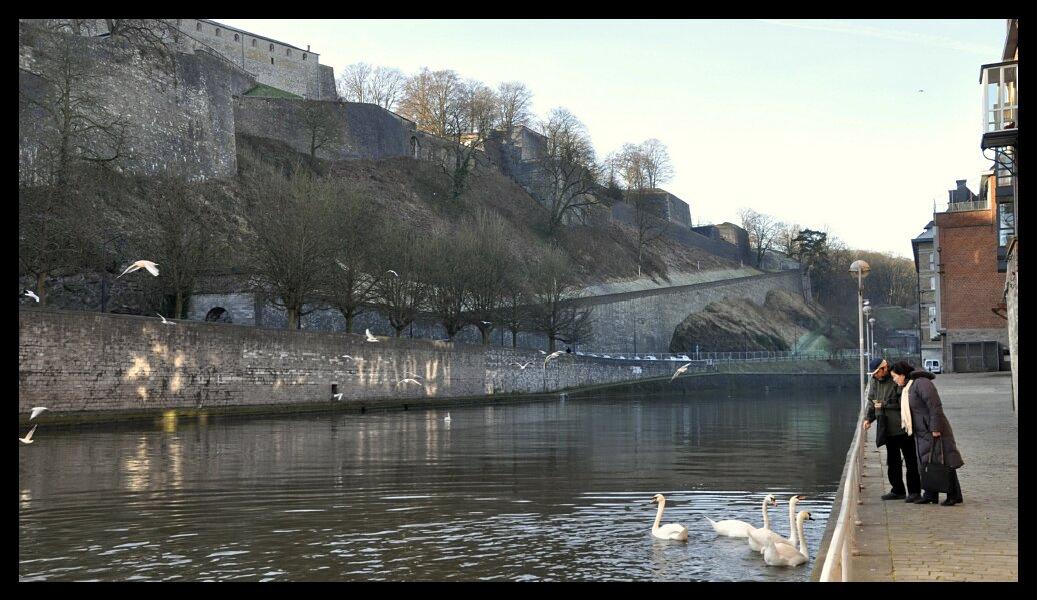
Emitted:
<point x="836" y="566"/>
<point x="725" y="357"/>
<point x="964" y="206"/>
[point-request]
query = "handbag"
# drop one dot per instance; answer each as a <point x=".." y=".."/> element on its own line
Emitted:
<point x="880" y="430"/>
<point x="936" y="476"/>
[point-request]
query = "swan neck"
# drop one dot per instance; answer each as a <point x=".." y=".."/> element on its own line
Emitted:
<point x="802" y="539"/>
<point x="659" y="514"/>
<point x="793" y="528"/>
<point x="766" y="518"/>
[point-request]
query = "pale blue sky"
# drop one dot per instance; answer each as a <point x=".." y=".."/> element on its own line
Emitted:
<point x="817" y="122"/>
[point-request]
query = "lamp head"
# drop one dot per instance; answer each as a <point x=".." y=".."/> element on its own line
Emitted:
<point x="860" y="267"/>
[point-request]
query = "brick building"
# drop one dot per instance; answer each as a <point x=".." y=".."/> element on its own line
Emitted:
<point x="929" y="323"/>
<point x="969" y="285"/>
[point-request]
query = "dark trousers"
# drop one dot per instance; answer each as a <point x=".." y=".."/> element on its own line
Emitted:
<point x="900" y="452"/>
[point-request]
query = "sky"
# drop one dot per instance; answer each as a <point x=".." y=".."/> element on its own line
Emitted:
<point x="815" y="122"/>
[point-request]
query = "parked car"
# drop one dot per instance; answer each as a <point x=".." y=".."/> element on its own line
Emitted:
<point x="650" y="357"/>
<point x="683" y="357"/>
<point x="932" y="365"/>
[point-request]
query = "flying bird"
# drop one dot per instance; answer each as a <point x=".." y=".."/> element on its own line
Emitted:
<point x="522" y="366"/>
<point x="337" y="396"/>
<point x="414" y="375"/>
<point x="32" y="294"/>
<point x="141" y="264"/>
<point x="541" y="352"/>
<point x="348" y="356"/>
<point x="680" y="371"/>
<point x="164" y="321"/>
<point x="555" y="354"/>
<point x="920" y="91"/>
<point x="446" y="419"/>
<point x="393" y="272"/>
<point x="28" y="437"/>
<point x="370" y="337"/>
<point x="408" y="380"/>
<point x="36" y="410"/>
<point x="486" y="322"/>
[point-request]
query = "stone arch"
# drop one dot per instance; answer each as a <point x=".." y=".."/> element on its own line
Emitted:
<point x="218" y="314"/>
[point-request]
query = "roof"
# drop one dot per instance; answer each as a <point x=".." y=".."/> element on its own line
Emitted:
<point x="256" y="35"/>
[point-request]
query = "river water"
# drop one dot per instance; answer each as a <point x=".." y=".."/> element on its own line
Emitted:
<point x="555" y="490"/>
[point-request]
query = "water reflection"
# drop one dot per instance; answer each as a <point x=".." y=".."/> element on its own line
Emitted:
<point x="545" y="491"/>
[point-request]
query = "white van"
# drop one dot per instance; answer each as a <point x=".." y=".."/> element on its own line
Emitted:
<point x="932" y="365"/>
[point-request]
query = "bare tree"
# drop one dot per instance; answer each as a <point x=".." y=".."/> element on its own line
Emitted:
<point x="294" y="237"/>
<point x="487" y="245"/>
<point x="657" y="165"/>
<point x="513" y="108"/>
<point x="785" y="239"/>
<point x="179" y="235"/>
<point x="360" y="82"/>
<point x="568" y="169"/>
<point x="426" y="100"/>
<point x="450" y="276"/>
<point x="470" y="114"/>
<point x="352" y="284"/>
<point x="637" y="170"/>
<point x="79" y="127"/>
<point x="762" y="230"/>
<point x="320" y="127"/>
<point x="403" y="295"/>
<point x="553" y="288"/>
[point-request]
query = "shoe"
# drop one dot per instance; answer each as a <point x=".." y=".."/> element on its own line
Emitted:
<point x="913" y="498"/>
<point x="949" y="502"/>
<point x="925" y="500"/>
<point x="892" y="496"/>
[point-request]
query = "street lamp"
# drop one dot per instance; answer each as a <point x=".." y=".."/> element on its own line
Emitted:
<point x="860" y="269"/>
<point x="871" y="336"/>
<point x="867" y="332"/>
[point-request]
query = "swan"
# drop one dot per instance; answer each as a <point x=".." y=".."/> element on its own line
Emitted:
<point x="740" y="529"/>
<point x="780" y="554"/>
<point x="670" y="531"/>
<point x="758" y="537"/>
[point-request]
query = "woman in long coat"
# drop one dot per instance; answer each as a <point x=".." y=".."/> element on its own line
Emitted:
<point x="928" y="425"/>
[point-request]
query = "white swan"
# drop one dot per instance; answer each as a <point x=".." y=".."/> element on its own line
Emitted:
<point x="780" y="554"/>
<point x="758" y="537"/>
<point x="670" y="531"/>
<point x="740" y="529"/>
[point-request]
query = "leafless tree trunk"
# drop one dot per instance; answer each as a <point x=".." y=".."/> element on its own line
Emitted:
<point x="762" y="230"/>
<point x="513" y="108"/>
<point x="553" y="289"/>
<point x="319" y="124"/>
<point x="569" y="172"/>
<point x="403" y="296"/>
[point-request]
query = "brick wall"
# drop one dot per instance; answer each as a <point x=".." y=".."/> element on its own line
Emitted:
<point x="77" y="361"/>
<point x="969" y="282"/>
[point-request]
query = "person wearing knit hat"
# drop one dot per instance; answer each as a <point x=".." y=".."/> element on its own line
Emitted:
<point x="884" y="403"/>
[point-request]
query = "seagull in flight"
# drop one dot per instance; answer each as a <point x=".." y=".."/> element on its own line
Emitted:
<point x="337" y="396"/>
<point x="553" y="355"/>
<point x="414" y="375"/>
<point x="393" y="272"/>
<point x="348" y="357"/>
<point x="28" y="437"/>
<point x="486" y="322"/>
<point x="921" y="91"/>
<point x="141" y="264"/>
<point x="522" y="366"/>
<point x="680" y="371"/>
<point x="408" y="380"/>
<point x="164" y="321"/>
<point x="446" y="419"/>
<point x="36" y="410"/>
<point x="370" y="337"/>
<point x="32" y="294"/>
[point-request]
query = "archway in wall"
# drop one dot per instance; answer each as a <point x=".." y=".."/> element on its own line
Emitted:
<point x="218" y="314"/>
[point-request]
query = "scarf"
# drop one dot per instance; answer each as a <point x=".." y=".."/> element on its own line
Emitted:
<point x="905" y="408"/>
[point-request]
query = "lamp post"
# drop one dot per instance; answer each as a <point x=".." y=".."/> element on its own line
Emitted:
<point x="867" y="331"/>
<point x="871" y="336"/>
<point x="860" y="269"/>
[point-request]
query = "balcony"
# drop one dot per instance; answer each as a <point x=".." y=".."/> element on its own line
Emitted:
<point x="965" y="206"/>
<point x="1000" y="82"/>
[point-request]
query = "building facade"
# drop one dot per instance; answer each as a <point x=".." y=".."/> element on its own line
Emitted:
<point x="999" y="144"/>
<point x="929" y="323"/>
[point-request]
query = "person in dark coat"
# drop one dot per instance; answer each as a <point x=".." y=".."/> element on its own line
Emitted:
<point x="928" y="424"/>
<point x="884" y="403"/>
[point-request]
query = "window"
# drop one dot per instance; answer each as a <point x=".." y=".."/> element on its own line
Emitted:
<point x="236" y="38"/>
<point x="932" y="314"/>
<point x="925" y="261"/>
<point x="253" y="42"/>
<point x="197" y="26"/>
<point x="178" y="22"/>
<point x="271" y="60"/>
<point x="271" y="47"/>
<point x="999" y="96"/>
<point x="932" y="283"/>
<point x="304" y="56"/>
<point x="287" y="51"/>
<point x="217" y="32"/>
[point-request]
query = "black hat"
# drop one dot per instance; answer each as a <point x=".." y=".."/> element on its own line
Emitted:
<point x="874" y="364"/>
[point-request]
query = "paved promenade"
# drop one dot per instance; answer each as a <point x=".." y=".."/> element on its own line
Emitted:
<point x="974" y="541"/>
